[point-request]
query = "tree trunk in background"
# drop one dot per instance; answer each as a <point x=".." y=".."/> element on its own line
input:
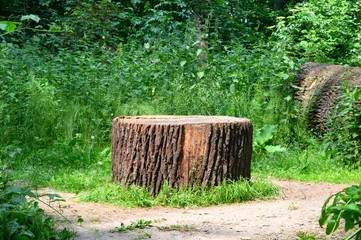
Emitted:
<point x="202" y="10"/>
<point x="181" y="150"/>
<point x="318" y="91"/>
<point x="277" y="5"/>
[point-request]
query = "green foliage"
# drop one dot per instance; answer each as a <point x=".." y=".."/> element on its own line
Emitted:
<point x="8" y="26"/>
<point x="20" y="215"/>
<point x="69" y="98"/>
<point x="323" y="31"/>
<point x="345" y="205"/>
<point x="15" y="31"/>
<point x="94" y="23"/>
<point x="60" y="90"/>
<point x="343" y="139"/>
<point x="141" y="224"/>
<point x="263" y="136"/>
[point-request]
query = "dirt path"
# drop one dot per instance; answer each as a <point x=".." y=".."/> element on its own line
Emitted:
<point x="297" y="210"/>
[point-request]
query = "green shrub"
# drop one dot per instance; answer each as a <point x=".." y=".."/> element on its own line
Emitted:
<point x="323" y="31"/>
<point x="346" y="205"/>
<point x="343" y="139"/>
<point x="20" y="214"/>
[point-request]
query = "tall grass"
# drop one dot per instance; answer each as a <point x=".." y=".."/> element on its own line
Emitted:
<point x="228" y="192"/>
<point x="73" y="96"/>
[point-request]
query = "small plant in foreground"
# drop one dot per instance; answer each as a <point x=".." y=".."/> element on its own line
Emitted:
<point x="20" y="214"/>
<point x="306" y="236"/>
<point x="141" y="224"/>
<point x="346" y="205"/>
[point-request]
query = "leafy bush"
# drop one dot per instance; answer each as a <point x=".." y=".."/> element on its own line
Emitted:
<point x="346" y="205"/>
<point x="323" y="31"/>
<point x="57" y="104"/>
<point x="343" y="139"/>
<point x="20" y="215"/>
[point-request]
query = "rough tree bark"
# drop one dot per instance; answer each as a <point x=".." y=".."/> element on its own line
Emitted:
<point x="318" y="92"/>
<point x="180" y="150"/>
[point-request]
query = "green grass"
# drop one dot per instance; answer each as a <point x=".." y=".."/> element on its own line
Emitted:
<point x="93" y="182"/>
<point x="95" y="185"/>
<point x="310" y="164"/>
<point x="228" y="192"/>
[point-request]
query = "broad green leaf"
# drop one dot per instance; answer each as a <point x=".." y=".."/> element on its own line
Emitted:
<point x="265" y="134"/>
<point x="353" y="190"/>
<point x="18" y="199"/>
<point x="8" y="26"/>
<point x="324" y="212"/>
<point x="353" y="207"/>
<point x="3" y="26"/>
<point x="182" y="63"/>
<point x="349" y="221"/>
<point x="31" y="17"/>
<point x="273" y="149"/>
<point x="29" y="193"/>
<point x="332" y="225"/>
<point x="14" y="189"/>
<point x="200" y="74"/>
<point x="284" y="76"/>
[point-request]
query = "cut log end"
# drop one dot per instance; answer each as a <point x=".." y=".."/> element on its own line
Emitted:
<point x="180" y="150"/>
<point x="318" y="85"/>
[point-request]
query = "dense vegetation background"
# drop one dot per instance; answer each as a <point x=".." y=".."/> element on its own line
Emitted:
<point x="67" y="68"/>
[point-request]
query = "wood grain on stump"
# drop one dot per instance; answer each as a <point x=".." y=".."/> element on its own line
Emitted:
<point x="180" y="150"/>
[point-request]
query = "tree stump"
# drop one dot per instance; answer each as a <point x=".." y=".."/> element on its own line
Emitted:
<point x="180" y="150"/>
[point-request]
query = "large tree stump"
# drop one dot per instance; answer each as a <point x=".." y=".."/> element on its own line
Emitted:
<point x="318" y="90"/>
<point x="180" y="150"/>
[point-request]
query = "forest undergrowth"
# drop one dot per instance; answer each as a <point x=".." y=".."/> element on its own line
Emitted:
<point x="62" y="86"/>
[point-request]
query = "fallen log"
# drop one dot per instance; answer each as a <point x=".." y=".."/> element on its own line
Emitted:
<point x="318" y="85"/>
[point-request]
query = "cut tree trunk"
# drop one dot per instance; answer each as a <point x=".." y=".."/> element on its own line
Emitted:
<point x="318" y="90"/>
<point x="150" y="151"/>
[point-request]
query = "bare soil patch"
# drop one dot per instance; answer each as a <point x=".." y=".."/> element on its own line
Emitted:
<point x="296" y="210"/>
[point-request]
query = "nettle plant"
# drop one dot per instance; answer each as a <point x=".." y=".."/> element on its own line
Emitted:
<point x="343" y="139"/>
